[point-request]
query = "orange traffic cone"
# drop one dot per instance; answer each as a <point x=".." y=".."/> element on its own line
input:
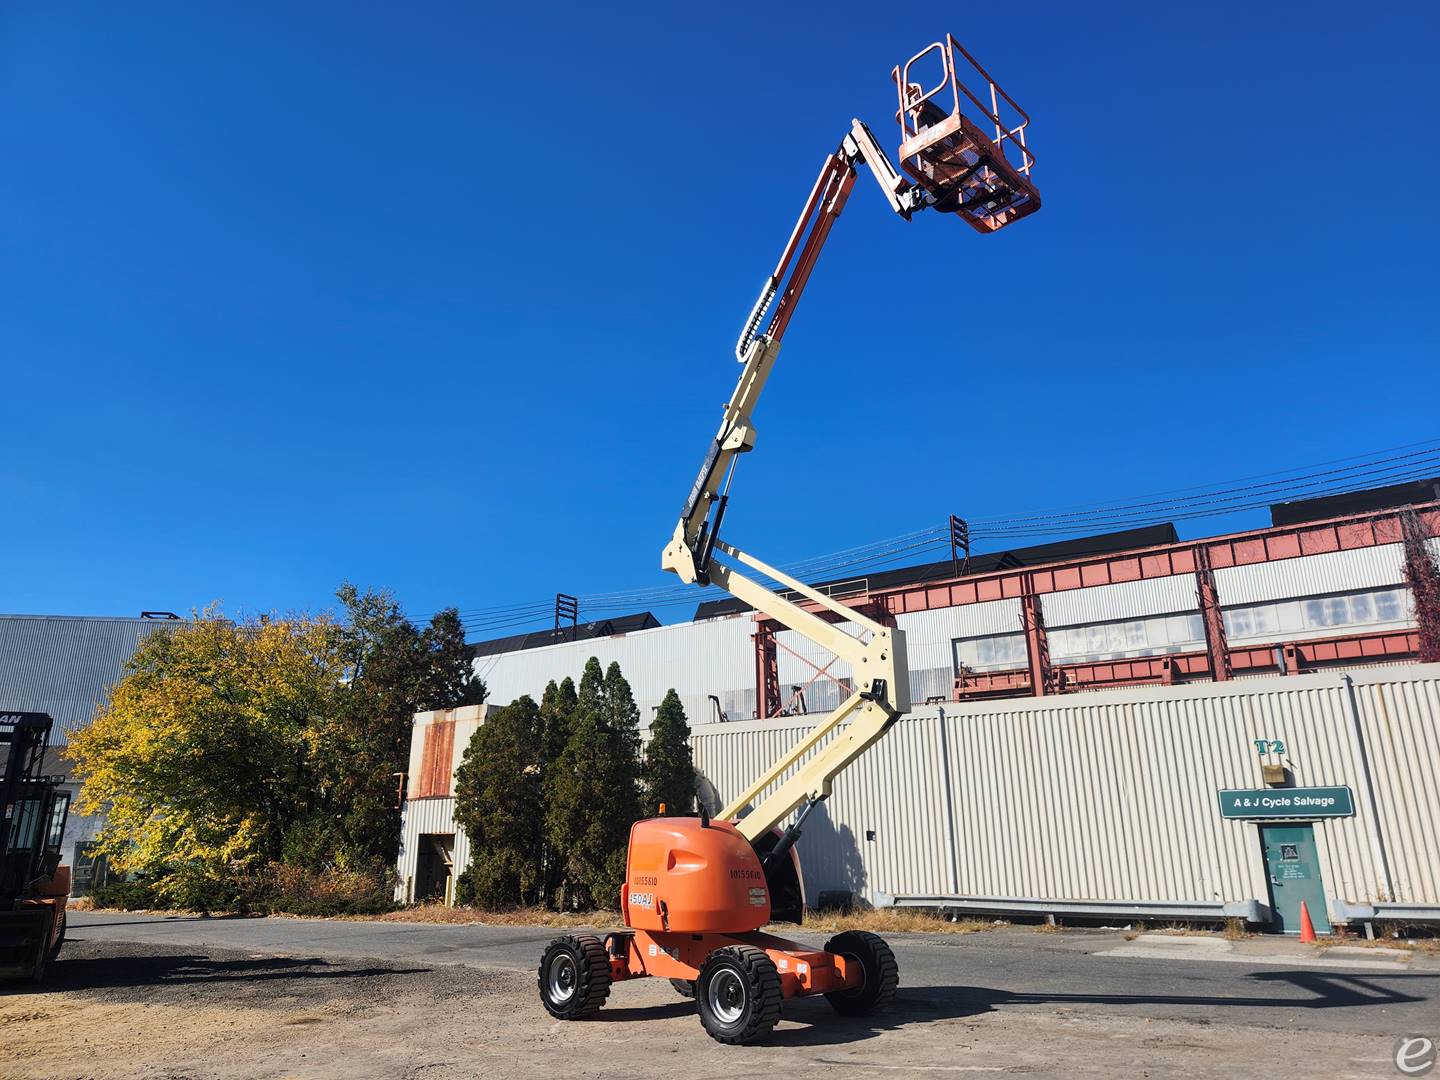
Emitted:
<point x="1307" y="928"/>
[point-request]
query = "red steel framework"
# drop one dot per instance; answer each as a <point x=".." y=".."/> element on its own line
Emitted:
<point x="1219" y="661"/>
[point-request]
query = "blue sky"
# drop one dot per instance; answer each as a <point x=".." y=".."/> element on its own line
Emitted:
<point x="442" y="299"/>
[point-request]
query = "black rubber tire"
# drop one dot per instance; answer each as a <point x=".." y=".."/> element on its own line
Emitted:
<point x="749" y="986"/>
<point x="882" y="974"/>
<point x="684" y="987"/>
<point x="574" y="977"/>
<point x="42" y="949"/>
<point x="60" y="937"/>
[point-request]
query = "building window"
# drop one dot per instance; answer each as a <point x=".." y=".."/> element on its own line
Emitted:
<point x="1390" y="605"/>
<point x="1277" y="620"/>
<point x="995" y="652"/>
<point x="1354" y="609"/>
<point x="1244" y="622"/>
<point x="1152" y="636"/>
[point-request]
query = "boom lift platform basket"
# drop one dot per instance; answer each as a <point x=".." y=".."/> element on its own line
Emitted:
<point x="951" y="154"/>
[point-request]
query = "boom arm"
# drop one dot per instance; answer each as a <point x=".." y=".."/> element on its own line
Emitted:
<point x="881" y="675"/>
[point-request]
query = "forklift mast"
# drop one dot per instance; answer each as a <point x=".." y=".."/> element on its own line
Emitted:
<point x="33" y="809"/>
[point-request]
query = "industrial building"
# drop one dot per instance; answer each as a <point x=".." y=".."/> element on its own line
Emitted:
<point x="65" y="665"/>
<point x="1078" y="709"/>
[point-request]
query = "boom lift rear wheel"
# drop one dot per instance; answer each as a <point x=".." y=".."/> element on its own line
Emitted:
<point x="574" y="977"/>
<point x="882" y="974"/>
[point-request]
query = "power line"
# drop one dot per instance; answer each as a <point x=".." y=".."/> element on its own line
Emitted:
<point x="1427" y="459"/>
<point x="1421" y="461"/>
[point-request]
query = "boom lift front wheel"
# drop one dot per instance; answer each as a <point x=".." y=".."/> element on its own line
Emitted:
<point x="738" y="993"/>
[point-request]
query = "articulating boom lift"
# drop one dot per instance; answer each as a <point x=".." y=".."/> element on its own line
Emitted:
<point x="697" y="891"/>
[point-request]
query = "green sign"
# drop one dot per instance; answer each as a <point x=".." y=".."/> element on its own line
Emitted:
<point x="1299" y="802"/>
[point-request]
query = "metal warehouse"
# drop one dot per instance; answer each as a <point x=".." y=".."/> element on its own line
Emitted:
<point x="65" y="665"/>
<point x="1242" y="663"/>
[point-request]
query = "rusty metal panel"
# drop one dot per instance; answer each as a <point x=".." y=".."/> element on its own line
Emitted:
<point x="436" y="759"/>
<point x="1124" y="600"/>
<point x="1311" y="575"/>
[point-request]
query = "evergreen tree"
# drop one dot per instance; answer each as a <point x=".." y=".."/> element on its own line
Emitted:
<point x="669" y="770"/>
<point x="593" y="791"/>
<point x="557" y="719"/>
<point x="498" y="804"/>
<point x="622" y="716"/>
<point x="451" y="680"/>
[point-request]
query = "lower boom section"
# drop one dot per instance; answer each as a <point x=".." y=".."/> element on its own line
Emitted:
<point x="738" y="980"/>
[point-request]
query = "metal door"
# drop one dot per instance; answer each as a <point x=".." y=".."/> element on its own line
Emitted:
<point x="432" y="869"/>
<point x="1293" y="870"/>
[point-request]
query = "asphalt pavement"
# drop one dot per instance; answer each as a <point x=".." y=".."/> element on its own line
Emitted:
<point x="1011" y="970"/>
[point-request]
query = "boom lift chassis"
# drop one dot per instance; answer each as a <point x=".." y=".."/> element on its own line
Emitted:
<point x="697" y="891"/>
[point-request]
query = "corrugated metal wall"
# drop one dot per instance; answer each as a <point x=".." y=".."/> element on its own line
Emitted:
<point x="421" y="817"/>
<point x="1112" y="795"/>
<point x="1124" y="600"/>
<point x="65" y="665"/>
<point x="1311" y="575"/>
<point x="1402" y="740"/>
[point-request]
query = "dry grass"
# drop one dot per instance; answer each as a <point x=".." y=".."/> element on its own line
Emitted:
<point x="888" y="921"/>
<point x="1046" y="927"/>
<point x="1427" y="943"/>
<point x="465" y="916"/>
<point x="881" y="921"/>
<point x="1236" y="930"/>
<point x="895" y="921"/>
<point x="1233" y="930"/>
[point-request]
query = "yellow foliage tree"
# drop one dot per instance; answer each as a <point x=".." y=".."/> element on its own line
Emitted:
<point x="201" y="758"/>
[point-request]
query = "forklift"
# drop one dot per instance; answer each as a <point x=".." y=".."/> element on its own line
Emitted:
<point x="698" y="890"/>
<point x="34" y="886"/>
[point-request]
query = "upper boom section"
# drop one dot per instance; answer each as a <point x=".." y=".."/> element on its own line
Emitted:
<point x="953" y="167"/>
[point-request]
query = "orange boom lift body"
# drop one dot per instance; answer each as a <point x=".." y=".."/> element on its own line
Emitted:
<point x="697" y="891"/>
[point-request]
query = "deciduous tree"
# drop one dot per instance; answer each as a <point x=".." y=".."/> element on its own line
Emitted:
<point x="200" y="754"/>
<point x="228" y="745"/>
<point x="393" y="670"/>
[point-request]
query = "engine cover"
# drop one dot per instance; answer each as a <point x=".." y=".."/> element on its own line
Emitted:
<point x="683" y="877"/>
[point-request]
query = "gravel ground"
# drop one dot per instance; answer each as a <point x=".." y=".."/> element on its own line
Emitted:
<point x="115" y="1009"/>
